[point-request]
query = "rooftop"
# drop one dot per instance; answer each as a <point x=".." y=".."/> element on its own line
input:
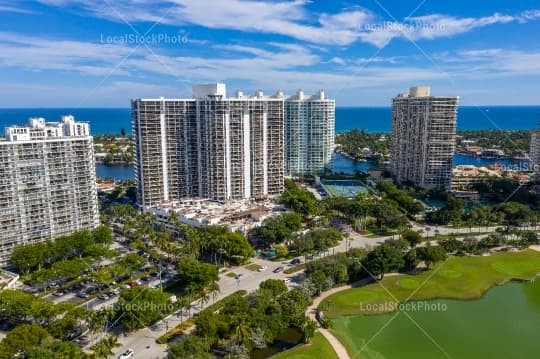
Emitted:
<point x="38" y="129"/>
<point x="219" y="91"/>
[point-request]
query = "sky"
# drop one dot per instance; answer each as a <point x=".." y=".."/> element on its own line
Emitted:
<point x="102" y="53"/>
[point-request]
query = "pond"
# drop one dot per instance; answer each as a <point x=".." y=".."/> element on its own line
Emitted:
<point x="503" y="324"/>
<point x="288" y="338"/>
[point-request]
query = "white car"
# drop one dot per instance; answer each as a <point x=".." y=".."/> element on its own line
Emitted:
<point x="127" y="354"/>
<point x="262" y="269"/>
<point x="286" y="280"/>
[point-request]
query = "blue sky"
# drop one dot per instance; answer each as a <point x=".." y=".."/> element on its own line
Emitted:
<point x="101" y="53"/>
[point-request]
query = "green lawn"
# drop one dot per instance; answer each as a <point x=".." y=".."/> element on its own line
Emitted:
<point x="253" y="267"/>
<point x="295" y="269"/>
<point x="457" y="278"/>
<point x="319" y="348"/>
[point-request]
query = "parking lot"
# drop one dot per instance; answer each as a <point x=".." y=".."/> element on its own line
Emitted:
<point x="86" y="291"/>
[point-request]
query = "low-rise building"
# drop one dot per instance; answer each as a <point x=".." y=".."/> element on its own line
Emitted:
<point x="237" y="215"/>
<point x="465" y="177"/>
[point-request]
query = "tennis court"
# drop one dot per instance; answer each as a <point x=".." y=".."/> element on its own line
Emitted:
<point x="344" y="188"/>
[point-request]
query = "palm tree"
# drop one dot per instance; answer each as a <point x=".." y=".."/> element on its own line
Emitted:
<point x="242" y="332"/>
<point x="308" y="330"/>
<point x="214" y="289"/>
<point x="98" y="321"/>
<point x="103" y="348"/>
<point x="204" y="299"/>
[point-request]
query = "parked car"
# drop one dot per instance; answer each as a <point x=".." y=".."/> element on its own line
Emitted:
<point x="278" y="269"/>
<point x="58" y="293"/>
<point x="262" y="269"/>
<point x="127" y="354"/>
<point x="296" y="261"/>
<point x="286" y="280"/>
<point x="103" y="297"/>
<point x="83" y="295"/>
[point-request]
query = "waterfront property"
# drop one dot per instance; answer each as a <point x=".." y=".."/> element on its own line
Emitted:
<point x="344" y="188"/>
<point x="210" y="146"/>
<point x="423" y="138"/>
<point x="465" y="178"/>
<point x="47" y="182"/>
<point x="309" y="133"/>
<point x="465" y="329"/>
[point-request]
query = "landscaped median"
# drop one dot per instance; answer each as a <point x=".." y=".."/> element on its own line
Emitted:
<point x="180" y="329"/>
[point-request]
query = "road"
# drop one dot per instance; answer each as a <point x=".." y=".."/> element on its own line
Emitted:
<point x="144" y="343"/>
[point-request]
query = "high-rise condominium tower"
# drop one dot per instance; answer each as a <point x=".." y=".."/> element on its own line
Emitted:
<point x="47" y="182"/>
<point x="423" y="138"/>
<point x="309" y="133"/>
<point x="211" y="146"/>
<point x="534" y="154"/>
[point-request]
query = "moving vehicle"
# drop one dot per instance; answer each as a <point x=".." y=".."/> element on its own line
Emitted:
<point x="127" y="354"/>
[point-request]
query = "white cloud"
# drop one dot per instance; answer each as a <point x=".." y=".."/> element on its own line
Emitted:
<point x="292" y="19"/>
<point x="39" y="54"/>
<point x="8" y="8"/>
<point x="434" y="26"/>
<point x="337" y="60"/>
<point x="288" y="18"/>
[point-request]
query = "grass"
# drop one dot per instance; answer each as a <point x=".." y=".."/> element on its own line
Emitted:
<point x="253" y="267"/>
<point x="318" y="348"/>
<point x="295" y="269"/>
<point x="175" y="332"/>
<point x="231" y="274"/>
<point x="456" y="278"/>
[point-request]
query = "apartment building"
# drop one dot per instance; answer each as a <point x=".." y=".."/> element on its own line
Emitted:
<point x="47" y="182"/>
<point x="210" y="146"/>
<point x="534" y="154"/>
<point x="423" y="138"/>
<point x="309" y="133"/>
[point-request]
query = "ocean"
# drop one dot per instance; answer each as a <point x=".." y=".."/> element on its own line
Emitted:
<point x="371" y="119"/>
